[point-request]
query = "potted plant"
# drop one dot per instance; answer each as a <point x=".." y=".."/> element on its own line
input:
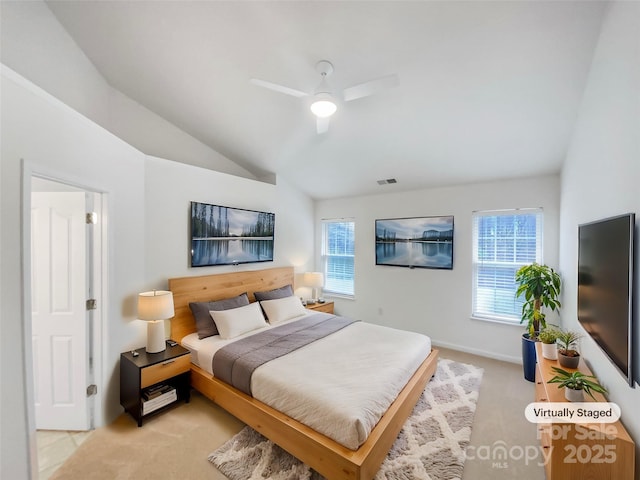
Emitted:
<point x="548" y="339"/>
<point x="576" y="384"/>
<point x="568" y="355"/>
<point x="540" y="287"/>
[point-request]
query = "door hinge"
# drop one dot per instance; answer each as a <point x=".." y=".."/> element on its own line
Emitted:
<point x="92" y="390"/>
<point x="92" y="304"/>
<point x="92" y="218"/>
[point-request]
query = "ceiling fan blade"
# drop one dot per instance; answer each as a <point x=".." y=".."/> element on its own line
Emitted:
<point x="322" y="125"/>
<point x="278" y="88"/>
<point x="369" y="88"/>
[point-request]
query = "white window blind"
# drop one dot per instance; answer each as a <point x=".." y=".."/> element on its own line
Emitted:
<point x="503" y="241"/>
<point x="338" y="256"/>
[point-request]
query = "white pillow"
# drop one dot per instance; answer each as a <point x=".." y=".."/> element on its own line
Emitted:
<point x="282" y="309"/>
<point x="236" y="321"/>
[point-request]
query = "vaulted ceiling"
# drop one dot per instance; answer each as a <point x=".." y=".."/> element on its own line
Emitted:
<point x="487" y="90"/>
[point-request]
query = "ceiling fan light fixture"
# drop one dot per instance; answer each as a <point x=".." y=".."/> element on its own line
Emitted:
<point x="323" y="106"/>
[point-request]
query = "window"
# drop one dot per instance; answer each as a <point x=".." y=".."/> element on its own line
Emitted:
<point x="503" y="241"/>
<point x="338" y="256"/>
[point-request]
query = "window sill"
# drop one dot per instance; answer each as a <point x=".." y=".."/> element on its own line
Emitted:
<point x="502" y="321"/>
<point x="339" y="295"/>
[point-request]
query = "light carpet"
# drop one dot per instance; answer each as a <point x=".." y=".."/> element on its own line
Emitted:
<point x="430" y="446"/>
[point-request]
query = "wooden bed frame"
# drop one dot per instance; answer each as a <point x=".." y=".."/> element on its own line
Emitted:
<point x="323" y="454"/>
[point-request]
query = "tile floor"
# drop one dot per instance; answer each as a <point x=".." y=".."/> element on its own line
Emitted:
<point x="54" y="447"/>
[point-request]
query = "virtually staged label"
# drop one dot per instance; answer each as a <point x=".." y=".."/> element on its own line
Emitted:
<point x="575" y="412"/>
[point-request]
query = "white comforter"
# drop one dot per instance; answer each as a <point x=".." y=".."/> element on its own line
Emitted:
<point x="340" y="385"/>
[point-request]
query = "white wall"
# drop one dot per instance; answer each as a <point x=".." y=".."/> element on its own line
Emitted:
<point x="171" y="186"/>
<point x="58" y="142"/>
<point x="438" y="302"/>
<point x="35" y="45"/>
<point x="601" y="178"/>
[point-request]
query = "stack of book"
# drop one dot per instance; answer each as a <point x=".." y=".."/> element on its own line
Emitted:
<point x="157" y="397"/>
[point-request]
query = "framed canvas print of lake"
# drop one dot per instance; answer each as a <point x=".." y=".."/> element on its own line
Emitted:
<point x="230" y="236"/>
<point x="418" y="242"/>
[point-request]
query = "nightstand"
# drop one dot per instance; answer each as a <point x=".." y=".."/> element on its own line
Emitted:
<point x="326" y="307"/>
<point x="150" y="382"/>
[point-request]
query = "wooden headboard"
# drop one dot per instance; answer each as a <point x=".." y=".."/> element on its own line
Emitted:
<point x="209" y="288"/>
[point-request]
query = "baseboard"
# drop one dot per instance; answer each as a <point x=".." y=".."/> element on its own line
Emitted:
<point x="479" y="352"/>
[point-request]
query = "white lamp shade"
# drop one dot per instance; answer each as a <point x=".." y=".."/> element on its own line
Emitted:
<point x="324" y="105"/>
<point x="155" y="305"/>
<point x="313" y="279"/>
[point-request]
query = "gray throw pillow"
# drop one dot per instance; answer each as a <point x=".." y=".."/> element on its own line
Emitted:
<point x="204" y="323"/>
<point x="286" y="291"/>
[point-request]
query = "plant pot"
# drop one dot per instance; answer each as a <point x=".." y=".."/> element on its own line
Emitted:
<point x="569" y="361"/>
<point x="529" y="357"/>
<point x="574" y="395"/>
<point x="550" y="351"/>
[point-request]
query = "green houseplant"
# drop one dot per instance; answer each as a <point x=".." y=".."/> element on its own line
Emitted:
<point x="548" y="338"/>
<point x="576" y="384"/>
<point x="540" y="287"/>
<point x="568" y="354"/>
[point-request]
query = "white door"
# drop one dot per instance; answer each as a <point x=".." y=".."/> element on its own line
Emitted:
<point x="59" y="315"/>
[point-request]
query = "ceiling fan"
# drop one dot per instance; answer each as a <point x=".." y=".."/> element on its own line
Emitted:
<point x="324" y="100"/>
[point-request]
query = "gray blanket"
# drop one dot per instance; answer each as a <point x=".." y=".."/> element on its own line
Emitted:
<point x="235" y="363"/>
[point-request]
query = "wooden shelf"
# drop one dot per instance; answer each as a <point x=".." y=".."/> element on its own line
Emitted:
<point x="594" y="451"/>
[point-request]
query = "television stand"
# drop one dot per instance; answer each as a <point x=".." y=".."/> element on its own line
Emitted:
<point x="602" y="451"/>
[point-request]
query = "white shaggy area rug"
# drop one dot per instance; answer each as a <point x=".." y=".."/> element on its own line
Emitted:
<point x="430" y="446"/>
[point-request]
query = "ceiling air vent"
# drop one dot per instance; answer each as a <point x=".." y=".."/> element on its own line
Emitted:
<point x="387" y="181"/>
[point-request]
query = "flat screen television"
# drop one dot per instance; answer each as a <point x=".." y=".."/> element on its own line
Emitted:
<point x="605" y="287"/>
<point x="230" y="236"/>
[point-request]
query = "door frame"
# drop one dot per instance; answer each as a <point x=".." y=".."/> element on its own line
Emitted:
<point x="98" y="333"/>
